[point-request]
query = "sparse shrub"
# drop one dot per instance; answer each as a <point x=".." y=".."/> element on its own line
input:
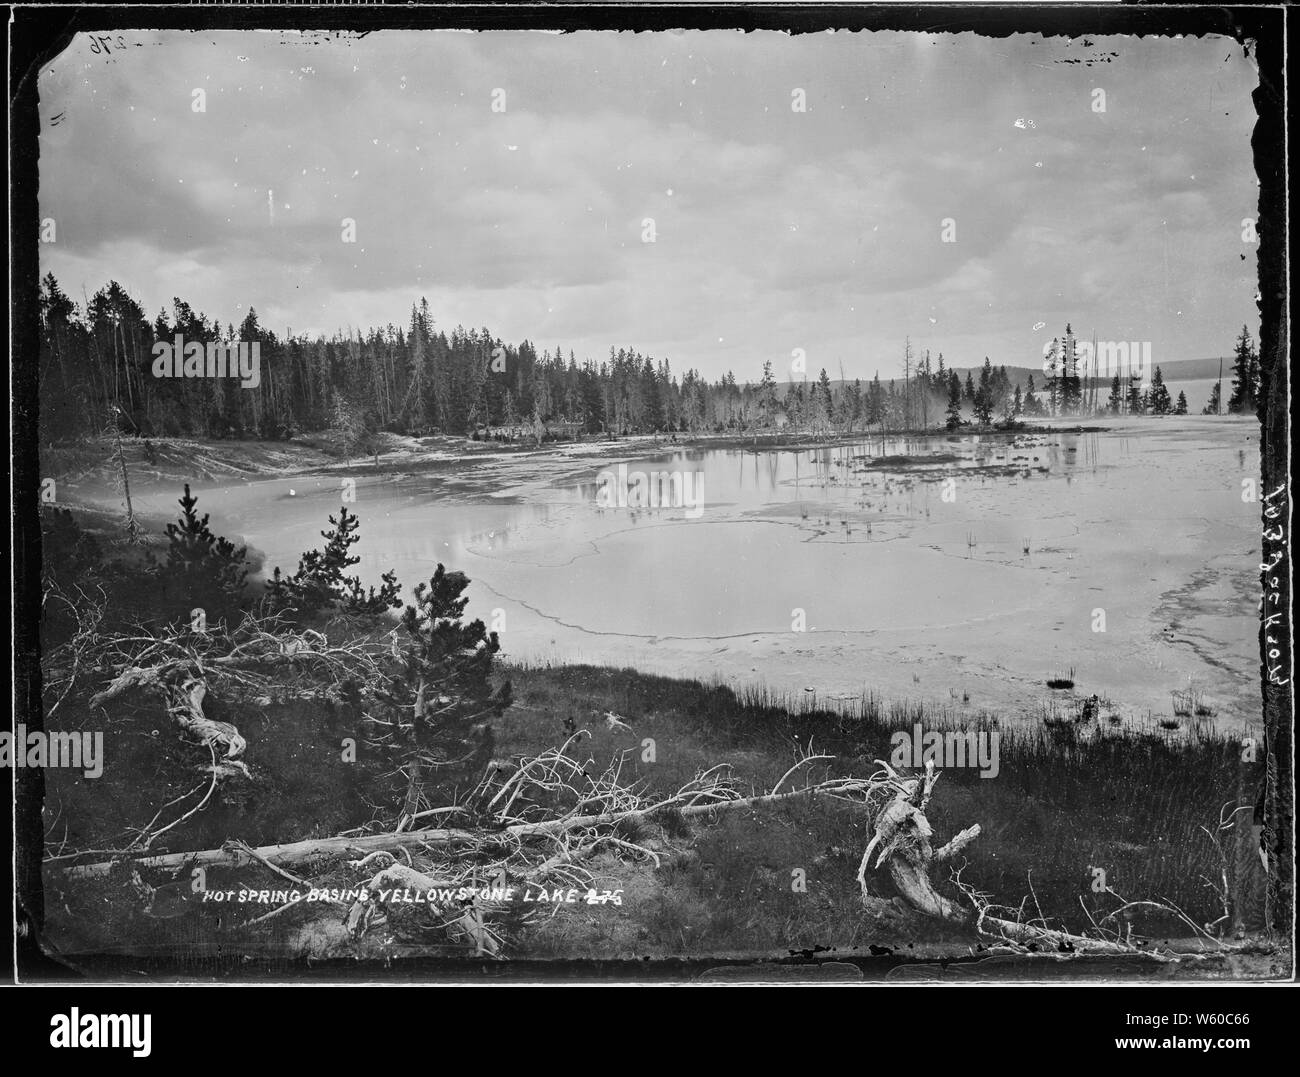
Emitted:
<point x="1053" y="717"/>
<point x="630" y="829"/>
<point x="201" y="569"/>
<point x="675" y="922"/>
<point x="1191" y="703"/>
<point x="67" y="550"/>
<point x="72" y="566"/>
<point x="319" y="583"/>
<point x="442" y="699"/>
<point x="1061" y="683"/>
<point x="674" y="823"/>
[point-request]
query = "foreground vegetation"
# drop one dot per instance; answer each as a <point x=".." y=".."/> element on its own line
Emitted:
<point x="358" y="725"/>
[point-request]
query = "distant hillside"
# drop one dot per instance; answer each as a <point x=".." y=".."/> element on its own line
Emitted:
<point x="1174" y="370"/>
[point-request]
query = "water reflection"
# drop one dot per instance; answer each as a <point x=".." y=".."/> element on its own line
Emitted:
<point x="846" y="471"/>
<point x="962" y="549"/>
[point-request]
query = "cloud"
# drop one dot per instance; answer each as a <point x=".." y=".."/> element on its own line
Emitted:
<point x="773" y="228"/>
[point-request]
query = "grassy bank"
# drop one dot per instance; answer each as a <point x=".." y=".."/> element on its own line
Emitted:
<point x="1059" y="807"/>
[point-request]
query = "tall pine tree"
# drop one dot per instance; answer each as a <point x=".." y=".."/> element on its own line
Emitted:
<point x="1245" y="373"/>
<point x="442" y="698"/>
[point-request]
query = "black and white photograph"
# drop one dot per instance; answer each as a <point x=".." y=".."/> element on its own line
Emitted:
<point x="717" y="503"/>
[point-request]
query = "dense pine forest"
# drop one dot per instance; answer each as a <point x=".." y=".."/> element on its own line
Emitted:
<point x="96" y="375"/>
<point x="417" y="379"/>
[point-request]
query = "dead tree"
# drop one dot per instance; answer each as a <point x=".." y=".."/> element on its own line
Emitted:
<point x="902" y="841"/>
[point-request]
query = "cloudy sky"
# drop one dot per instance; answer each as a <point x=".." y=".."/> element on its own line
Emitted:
<point x="774" y="229"/>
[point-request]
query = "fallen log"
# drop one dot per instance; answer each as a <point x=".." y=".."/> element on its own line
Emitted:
<point x="296" y="852"/>
<point x="300" y="851"/>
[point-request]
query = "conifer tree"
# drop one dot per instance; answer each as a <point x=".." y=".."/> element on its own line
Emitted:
<point x="201" y="570"/>
<point x="1052" y="368"/>
<point x="1116" y="400"/>
<point x="823" y="389"/>
<point x="984" y="402"/>
<point x="853" y="404"/>
<point x="953" y="418"/>
<point x="1071" y="386"/>
<point x="1245" y="372"/>
<point x="442" y="696"/>
<point x="319" y="583"/>
<point x="1159" y="399"/>
<point x="1030" y="405"/>
<point x="767" y="394"/>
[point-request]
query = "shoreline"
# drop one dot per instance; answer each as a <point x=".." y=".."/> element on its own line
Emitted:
<point x="317" y="453"/>
<point x="932" y="661"/>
